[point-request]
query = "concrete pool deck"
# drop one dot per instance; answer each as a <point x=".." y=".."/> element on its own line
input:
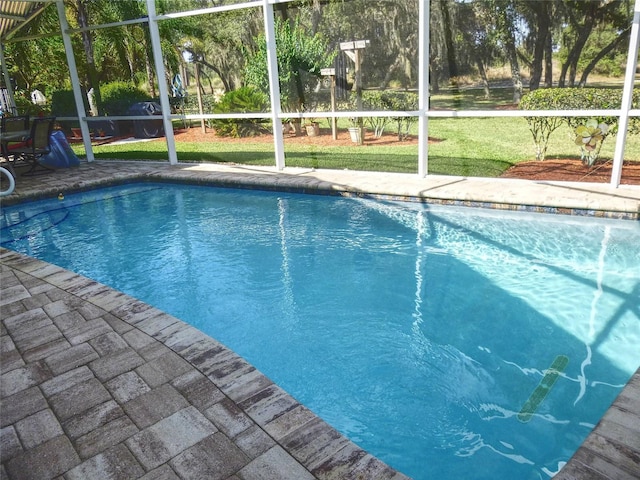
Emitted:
<point x="96" y="384"/>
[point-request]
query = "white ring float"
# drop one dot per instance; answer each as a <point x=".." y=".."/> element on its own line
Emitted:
<point x="12" y="182"/>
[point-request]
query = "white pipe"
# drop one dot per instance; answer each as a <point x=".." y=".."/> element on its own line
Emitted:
<point x="423" y="87"/>
<point x="274" y="83"/>
<point x="623" y="123"/>
<point x="162" y="84"/>
<point x="75" y="81"/>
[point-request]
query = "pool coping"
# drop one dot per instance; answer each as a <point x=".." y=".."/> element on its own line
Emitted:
<point x="609" y="450"/>
<point x="566" y="198"/>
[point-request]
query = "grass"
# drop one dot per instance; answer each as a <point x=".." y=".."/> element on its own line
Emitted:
<point x="483" y="147"/>
<point x="471" y="99"/>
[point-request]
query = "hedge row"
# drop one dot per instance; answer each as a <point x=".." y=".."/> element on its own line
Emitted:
<point x="573" y="99"/>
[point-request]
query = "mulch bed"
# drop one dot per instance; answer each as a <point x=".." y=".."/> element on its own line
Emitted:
<point x="573" y="171"/>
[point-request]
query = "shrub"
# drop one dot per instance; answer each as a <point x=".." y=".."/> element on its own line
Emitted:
<point x="117" y="97"/>
<point x="191" y="103"/>
<point x="376" y="100"/>
<point x="541" y="127"/>
<point x="388" y="100"/>
<point x="403" y="101"/>
<point x="572" y="99"/>
<point x="243" y="100"/>
<point x="63" y="103"/>
<point x="26" y="107"/>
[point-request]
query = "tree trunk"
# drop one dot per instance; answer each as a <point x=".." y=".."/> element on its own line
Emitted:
<point x="448" y="39"/>
<point x="548" y="62"/>
<point x="483" y="75"/>
<point x="543" y="25"/>
<point x="512" y="54"/>
<point x="433" y="82"/>
<point x="227" y="87"/>
<point x="87" y="43"/>
<point x="316" y="16"/>
<point x="504" y="19"/>
<point x="147" y="64"/>
<point x="605" y="51"/>
<point x="571" y="63"/>
<point x="129" y="56"/>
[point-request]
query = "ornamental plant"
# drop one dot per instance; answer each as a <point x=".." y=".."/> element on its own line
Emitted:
<point x="573" y="99"/>
<point x="590" y="137"/>
<point x="242" y="100"/>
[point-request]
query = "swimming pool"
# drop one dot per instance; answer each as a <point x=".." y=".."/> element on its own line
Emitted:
<point x="422" y="333"/>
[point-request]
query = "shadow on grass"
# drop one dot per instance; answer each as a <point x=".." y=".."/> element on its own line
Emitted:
<point x="467" y="167"/>
<point x="359" y="159"/>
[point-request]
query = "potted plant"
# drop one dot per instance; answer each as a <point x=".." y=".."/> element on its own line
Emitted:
<point x="313" y="128"/>
<point x="356" y="130"/>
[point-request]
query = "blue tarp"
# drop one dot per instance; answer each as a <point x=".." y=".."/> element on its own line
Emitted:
<point x="61" y="155"/>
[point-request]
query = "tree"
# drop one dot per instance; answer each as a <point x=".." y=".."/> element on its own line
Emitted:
<point x="390" y="26"/>
<point x="31" y="63"/>
<point x="506" y="21"/>
<point x="583" y="18"/>
<point x="82" y="18"/>
<point x="480" y="43"/>
<point x="299" y="55"/>
<point x="540" y="34"/>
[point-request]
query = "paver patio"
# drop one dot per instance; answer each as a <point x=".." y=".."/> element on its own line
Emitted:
<point x="95" y="384"/>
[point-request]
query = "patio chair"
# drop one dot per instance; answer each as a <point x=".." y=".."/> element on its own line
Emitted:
<point x="14" y="124"/>
<point x="10" y="126"/>
<point x="37" y="145"/>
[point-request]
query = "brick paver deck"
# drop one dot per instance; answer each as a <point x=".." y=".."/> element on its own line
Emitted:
<point x="95" y="384"/>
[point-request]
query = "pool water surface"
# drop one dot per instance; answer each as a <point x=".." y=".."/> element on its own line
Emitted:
<point x="449" y="342"/>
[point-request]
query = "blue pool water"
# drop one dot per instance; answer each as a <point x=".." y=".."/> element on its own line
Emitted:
<point x="420" y="332"/>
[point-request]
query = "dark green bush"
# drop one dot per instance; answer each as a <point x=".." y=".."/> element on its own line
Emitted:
<point x="63" y="103"/>
<point x="243" y="100"/>
<point x="117" y="97"/>
<point x="191" y="103"/>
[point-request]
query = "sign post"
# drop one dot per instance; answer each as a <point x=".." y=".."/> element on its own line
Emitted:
<point x="354" y="51"/>
<point x="331" y="73"/>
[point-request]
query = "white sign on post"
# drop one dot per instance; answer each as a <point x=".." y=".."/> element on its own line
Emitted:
<point x="357" y="45"/>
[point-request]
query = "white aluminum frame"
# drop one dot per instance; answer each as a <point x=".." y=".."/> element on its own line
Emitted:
<point x="276" y="115"/>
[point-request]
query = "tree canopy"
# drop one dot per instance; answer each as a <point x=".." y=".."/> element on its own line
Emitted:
<point x="535" y="43"/>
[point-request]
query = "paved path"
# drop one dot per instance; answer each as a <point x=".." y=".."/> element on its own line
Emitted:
<point x="96" y="384"/>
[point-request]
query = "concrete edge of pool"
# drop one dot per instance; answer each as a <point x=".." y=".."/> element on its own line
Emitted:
<point x="96" y="384"/>
<point x="611" y="450"/>
<point x="571" y="198"/>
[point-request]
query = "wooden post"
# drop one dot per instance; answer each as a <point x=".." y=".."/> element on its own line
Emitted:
<point x="354" y="52"/>
<point x="358" y="81"/>
<point x="200" y="108"/>
<point x="334" y="120"/>
<point x="331" y="73"/>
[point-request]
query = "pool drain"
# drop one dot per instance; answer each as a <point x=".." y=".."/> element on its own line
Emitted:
<point x="543" y="388"/>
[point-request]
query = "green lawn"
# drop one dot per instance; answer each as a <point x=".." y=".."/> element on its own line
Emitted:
<point x="464" y="146"/>
<point x="483" y="147"/>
